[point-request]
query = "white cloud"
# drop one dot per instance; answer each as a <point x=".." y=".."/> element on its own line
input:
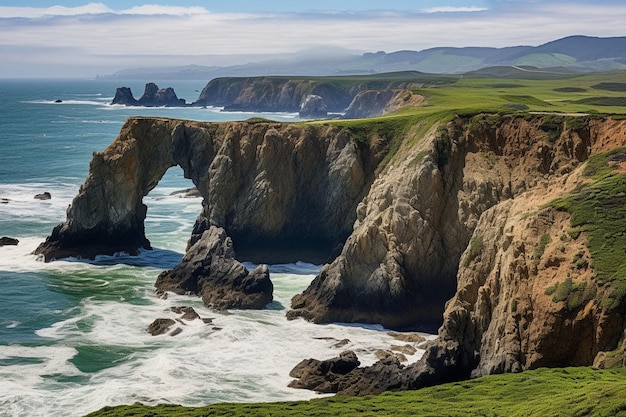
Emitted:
<point x="38" y="12"/>
<point x="452" y="9"/>
<point x="152" y="9"/>
<point x="94" y="31"/>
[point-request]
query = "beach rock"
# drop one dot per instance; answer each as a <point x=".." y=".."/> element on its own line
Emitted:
<point x="323" y="376"/>
<point x="313" y="106"/>
<point x="188" y="193"/>
<point x="8" y="241"/>
<point x="163" y="325"/>
<point x="209" y="270"/>
<point x="341" y="375"/>
<point x="160" y="326"/>
<point x="187" y="313"/>
<point x="58" y="100"/>
<point x="43" y="196"/>
<point x="4" y="201"/>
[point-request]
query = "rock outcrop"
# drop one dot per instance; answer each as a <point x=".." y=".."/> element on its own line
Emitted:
<point x="313" y="107"/>
<point x="8" y="241"/>
<point x="209" y="269"/>
<point x="370" y="103"/>
<point x="153" y="96"/>
<point x="43" y="196"/>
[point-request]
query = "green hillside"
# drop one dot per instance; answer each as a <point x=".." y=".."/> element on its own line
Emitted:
<point x="542" y="393"/>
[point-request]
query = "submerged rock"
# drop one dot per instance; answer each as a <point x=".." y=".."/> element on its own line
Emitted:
<point x="160" y="326"/>
<point x="163" y="325"/>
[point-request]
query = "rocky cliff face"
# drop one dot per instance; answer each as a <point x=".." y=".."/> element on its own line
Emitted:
<point x="526" y="295"/>
<point x="442" y="224"/>
<point x="370" y="103"/>
<point x="282" y="94"/>
<point x="279" y="193"/>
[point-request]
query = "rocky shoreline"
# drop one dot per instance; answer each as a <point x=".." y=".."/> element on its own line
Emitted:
<point x="310" y="99"/>
<point x="449" y="231"/>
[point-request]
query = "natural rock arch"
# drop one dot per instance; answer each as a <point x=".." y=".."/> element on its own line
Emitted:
<point x="282" y="191"/>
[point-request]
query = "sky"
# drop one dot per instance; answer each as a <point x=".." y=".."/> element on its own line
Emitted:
<point x="74" y="38"/>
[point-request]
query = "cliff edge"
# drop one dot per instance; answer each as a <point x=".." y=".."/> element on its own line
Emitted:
<point x="471" y="225"/>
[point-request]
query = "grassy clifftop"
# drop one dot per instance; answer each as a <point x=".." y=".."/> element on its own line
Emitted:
<point x="543" y="392"/>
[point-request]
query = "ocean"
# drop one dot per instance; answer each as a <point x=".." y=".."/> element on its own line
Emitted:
<point x="73" y="334"/>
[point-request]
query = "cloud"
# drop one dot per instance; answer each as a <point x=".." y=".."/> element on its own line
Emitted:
<point x="95" y="33"/>
<point x="453" y="9"/>
<point x="38" y="12"/>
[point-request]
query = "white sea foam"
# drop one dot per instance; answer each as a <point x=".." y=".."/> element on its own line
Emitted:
<point x="65" y="102"/>
<point x="241" y="356"/>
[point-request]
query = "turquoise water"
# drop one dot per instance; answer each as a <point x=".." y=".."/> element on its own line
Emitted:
<point x="73" y="334"/>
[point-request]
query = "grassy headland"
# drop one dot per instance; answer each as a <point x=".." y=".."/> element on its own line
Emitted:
<point x="543" y="392"/>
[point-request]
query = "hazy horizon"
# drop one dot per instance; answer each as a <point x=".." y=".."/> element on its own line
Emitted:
<point x="67" y="39"/>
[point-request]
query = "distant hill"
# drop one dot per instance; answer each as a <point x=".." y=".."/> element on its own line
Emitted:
<point x="573" y="53"/>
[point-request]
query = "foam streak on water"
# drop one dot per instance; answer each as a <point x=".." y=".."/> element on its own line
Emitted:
<point x="73" y="334"/>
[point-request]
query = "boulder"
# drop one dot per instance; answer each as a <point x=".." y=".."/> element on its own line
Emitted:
<point x="323" y="376"/>
<point x="210" y="270"/>
<point x="313" y="106"/>
<point x="342" y="375"/>
<point x="160" y="326"/>
<point x="8" y="241"/>
<point x="43" y="196"/>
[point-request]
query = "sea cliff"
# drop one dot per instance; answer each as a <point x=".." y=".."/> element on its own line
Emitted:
<point x="421" y="223"/>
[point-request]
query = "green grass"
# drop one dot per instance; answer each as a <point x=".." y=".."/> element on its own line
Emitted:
<point x="599" y="209"/>
<point x="542" y="392"/>
<point x="541" y="248"/>
<point x="475" y="249"/>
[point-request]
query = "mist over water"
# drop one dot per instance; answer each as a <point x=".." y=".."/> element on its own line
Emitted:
<point x="73" y="334"/>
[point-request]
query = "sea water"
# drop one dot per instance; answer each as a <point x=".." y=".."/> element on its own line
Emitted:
<point x="73" y="335"/>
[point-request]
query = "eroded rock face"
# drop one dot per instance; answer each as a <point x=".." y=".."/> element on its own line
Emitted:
<point x="313" y="106"/>
<point x="271" y="193"/>
<point x="370" y="103"/>
<point x="210" y="270"/>
<point x="503" y="316"/>
<point x="153" y="96"/>
<point x="399" y="265"/>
